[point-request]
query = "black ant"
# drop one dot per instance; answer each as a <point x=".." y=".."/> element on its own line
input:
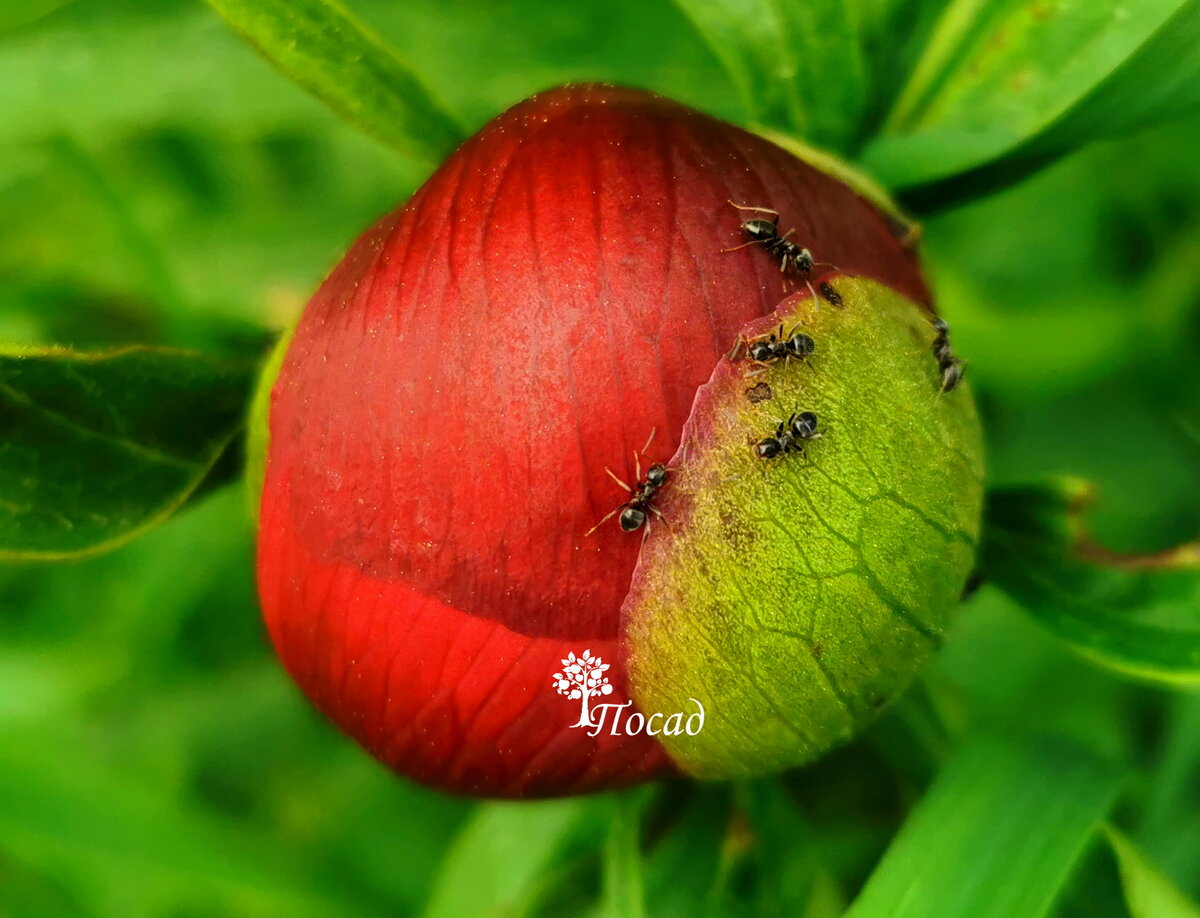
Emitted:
<point x="790" y="436"/>
<point x="792" y="257"/>
<point x="941" y="343"/>
<point x="775" y="346"/>
<point x="635" y="512"/>
<point x="778" y="347"/>
<point x="952" y="369"/>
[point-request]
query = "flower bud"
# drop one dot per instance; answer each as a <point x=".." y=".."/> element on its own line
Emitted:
<point x="437" y="567"/>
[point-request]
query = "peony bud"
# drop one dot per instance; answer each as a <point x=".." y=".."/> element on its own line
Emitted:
<point x="553" y="299"/>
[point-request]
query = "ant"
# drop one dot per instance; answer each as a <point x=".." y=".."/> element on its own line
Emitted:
<point x="635" y="512"/>
<point x="941" y="343"/>
<point x="775" y="346"/>
<point x="792" y="257"/>
<point x="951" y="367"/>
<point x="790" y="436"/>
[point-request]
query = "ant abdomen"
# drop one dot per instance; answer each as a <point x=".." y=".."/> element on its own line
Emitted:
<point x="768" y="448"/>
<point x="632" y="518"/>
<point x="800" y="346"/>
<point x="760" y="230"/>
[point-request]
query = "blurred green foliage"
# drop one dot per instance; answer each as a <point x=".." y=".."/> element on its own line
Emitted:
<point x="161" y="184"/>
<point x="102" y="446"/>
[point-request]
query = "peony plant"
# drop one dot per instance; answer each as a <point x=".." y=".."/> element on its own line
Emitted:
<point x="574" y="295"/>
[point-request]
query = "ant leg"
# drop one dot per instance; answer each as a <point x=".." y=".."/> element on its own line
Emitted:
<point x="617" y="480"/>
<point x="735" y="354"/>
<point x="608" y="516"/>
<point x="662" y="519"/>
<point x="761" y="210"/>
<point x="646" y="528"/>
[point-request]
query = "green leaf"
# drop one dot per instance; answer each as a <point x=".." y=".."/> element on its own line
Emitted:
<point x="321" y="46"/>
<point x="498" y="863"/>
<point x="624" y="896"/>
<point x="865" y="185"/>
<point x="1148" y="893"/>
<point x="18" y="13"/>
<point x="797" y="66"/>
<point x="996" y="836"/>
<point x="1169" y="823"/>
<point x="792" y="875"/>
<point x="96" y="448"/>
<point x="684" y="870"/>
<point x="1138" y="614"/>
<point x="88" y="817"/>
<point x="1008" y="86"/>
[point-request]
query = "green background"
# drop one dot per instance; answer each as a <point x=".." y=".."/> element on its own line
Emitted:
<point x="161" y="184"/>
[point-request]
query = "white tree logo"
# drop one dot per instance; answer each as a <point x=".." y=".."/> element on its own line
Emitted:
<point x="583" y="677"/>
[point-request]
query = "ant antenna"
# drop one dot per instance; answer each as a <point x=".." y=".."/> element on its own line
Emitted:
<point x="650" y="439"/>
<point x="744" y="244"/>
<point x="637" y="457"/>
